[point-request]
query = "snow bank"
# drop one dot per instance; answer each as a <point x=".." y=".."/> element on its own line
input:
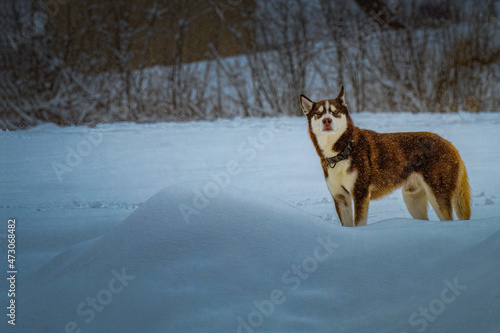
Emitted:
<point x="197" y="257"/>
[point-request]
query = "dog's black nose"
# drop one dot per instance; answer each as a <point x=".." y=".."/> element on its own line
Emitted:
<point x="327" y="121"/>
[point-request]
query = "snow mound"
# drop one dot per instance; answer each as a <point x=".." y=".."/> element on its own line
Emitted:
<point x="199" y="258"/>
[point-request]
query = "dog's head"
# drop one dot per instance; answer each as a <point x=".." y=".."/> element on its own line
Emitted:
<point x="326" y="116"/>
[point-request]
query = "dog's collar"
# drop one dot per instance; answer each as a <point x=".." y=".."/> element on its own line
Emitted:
<point x="344" y="154"/>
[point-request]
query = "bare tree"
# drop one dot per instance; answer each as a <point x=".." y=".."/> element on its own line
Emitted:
<point x="381" y="13"/>
<point x="99" y="62"/>
<point x="284" y="52"/>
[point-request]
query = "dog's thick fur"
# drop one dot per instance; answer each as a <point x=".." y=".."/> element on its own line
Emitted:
<point x="426" y="166"/>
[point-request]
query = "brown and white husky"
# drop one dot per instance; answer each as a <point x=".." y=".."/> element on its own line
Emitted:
<point x="360" y="165"/>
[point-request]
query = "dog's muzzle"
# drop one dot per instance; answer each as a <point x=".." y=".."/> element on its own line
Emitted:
<point x="328" y="125"/>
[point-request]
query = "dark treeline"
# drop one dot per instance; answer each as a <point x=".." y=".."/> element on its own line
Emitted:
<point x="82" y="63"/>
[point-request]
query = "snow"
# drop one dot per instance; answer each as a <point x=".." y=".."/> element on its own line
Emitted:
<point x="228" y="226"/>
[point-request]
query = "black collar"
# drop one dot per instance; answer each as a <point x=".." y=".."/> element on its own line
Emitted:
<point x="344" y="154"/>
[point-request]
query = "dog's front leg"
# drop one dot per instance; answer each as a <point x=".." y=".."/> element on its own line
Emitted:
<point x="343" y="206"/>
<point x="361" y="202"/>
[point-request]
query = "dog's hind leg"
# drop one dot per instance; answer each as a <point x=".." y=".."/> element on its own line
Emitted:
<point x="440" y="202"/>
<point x="443" y="209"/>
<point x="415" y="197"/>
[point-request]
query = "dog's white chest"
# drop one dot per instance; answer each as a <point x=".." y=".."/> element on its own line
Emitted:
<point x="339" y="178"/>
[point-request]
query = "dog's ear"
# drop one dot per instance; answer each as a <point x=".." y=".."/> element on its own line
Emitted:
<point x="306" y="104"/>
<point x="341" y="96"/>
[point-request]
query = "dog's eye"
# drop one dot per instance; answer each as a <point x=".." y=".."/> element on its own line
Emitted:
<point x="318" y="113"/>
<point x="335" y="112"/>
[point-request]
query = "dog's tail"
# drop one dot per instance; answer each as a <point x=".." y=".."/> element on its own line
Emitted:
<point x="462" y="197"/>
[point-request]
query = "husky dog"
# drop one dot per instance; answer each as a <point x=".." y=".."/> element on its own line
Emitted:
<point x="360" y="165"/>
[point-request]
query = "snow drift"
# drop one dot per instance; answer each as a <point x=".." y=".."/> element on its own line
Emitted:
<point x="197" y="257"/>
